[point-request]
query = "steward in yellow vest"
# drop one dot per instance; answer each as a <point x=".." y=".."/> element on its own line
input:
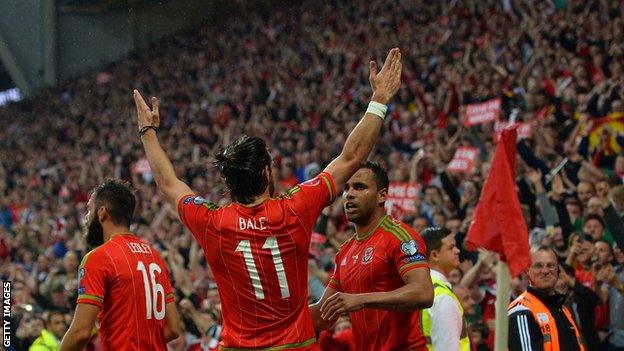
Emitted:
<point x="440" y="288"/>
<point x="444" y="326"/>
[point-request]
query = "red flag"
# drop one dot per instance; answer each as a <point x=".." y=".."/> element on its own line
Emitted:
<point x="498" y="224"/>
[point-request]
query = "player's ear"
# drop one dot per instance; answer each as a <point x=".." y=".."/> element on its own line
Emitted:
<point x="382" y="195"/>
<point x="102" y="214"/>
<point x="267" y="172"/>
<point x="433" y="255"/>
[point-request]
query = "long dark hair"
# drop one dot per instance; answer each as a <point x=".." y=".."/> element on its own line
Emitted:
<point x="242" y="165"/>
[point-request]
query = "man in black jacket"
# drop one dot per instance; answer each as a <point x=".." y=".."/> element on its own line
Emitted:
<point x="540" y="310"/>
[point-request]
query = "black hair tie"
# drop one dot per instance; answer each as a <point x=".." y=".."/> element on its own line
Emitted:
<point x="144" y="130"/>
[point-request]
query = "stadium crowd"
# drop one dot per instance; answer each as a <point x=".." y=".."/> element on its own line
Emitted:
<point x="296" y="77"/>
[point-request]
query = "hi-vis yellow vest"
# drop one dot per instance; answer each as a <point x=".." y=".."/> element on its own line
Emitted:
<point x="440" y="288"/>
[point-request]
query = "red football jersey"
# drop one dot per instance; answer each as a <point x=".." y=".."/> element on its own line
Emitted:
<point x="259" y="258"/>
<point x="378" y="263"/>
<point x="129" y="281"/>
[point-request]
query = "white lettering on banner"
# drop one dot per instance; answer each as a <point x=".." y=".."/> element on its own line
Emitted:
<point x="463" y="160"/>
<point x="478" y="113"/>
<point x="252" y="223"/>
<point x="458" y="164"/>
<point x="141" y="166"/>
<point x="401" y="196"/>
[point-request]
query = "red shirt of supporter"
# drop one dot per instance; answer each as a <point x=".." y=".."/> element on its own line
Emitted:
<point x="378" y="263"/>
<point x="259" y="257"/>
<point x="129" y="281"/>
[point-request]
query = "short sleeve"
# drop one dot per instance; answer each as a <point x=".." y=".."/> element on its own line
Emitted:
<point x="312" y="196"/>
<point x="195" y="212"/>
<point x="407" y="249"/>
<point x="93" y="274"/>
<point x="334" y="281"/>
<point x="169" y="295"/>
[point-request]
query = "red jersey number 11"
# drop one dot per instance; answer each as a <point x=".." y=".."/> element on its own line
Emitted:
<point x="244" y="246"/>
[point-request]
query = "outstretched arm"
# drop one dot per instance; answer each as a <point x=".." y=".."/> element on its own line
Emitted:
<point x="417" y="293"/>
<point x="363" y="137"/>
<point x="164" y="174"/>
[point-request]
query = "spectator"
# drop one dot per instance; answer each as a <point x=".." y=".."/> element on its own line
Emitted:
<point x="616" y="302"/>
<point x="50" y="338"/>
<point x="582" y="302"/>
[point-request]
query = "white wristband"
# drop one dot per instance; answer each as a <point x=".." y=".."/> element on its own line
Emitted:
<point x="377" y="109"/>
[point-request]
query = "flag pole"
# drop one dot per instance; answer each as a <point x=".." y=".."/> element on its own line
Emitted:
<point x="502" y="302"/>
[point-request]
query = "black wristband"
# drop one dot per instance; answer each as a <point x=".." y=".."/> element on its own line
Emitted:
<point x="144" y="130"/>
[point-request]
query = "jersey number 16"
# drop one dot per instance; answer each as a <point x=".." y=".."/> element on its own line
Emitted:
<point x="154" y="292"/>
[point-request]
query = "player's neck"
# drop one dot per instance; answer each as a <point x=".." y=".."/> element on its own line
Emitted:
<point x="363" y="230"/>
<point x="113" y="231"/>
<point x="257" y="201"/>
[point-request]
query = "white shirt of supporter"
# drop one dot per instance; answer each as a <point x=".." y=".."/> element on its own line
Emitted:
<point x="446" y="319"/>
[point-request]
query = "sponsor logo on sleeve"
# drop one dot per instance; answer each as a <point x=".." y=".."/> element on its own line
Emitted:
<point x="199" y="201"/>
<point x="81" y="274"/>
<point x="415" y="258"/>
<point x="187" y="200"/>
<point x="410" y="248"/>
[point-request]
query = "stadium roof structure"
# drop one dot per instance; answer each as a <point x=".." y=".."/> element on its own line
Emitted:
<point x="97" y="6"/>
<point x="43" y="43"/>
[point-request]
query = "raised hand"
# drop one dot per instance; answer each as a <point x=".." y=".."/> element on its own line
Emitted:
<point x="486" y="257"/>
<point x="605" y="274"/>
<point x="386" y="82"/>
<point x="145" y="115"/>
<point x="557" y="187"/>
<point x="534" y="175"/>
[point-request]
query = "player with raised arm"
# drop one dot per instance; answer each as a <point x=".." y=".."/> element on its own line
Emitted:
<point x="123" y="282"/>
<point x="257" y="247"/>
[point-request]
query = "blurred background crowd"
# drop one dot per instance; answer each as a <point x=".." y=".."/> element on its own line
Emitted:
<point x="298" y="77"/>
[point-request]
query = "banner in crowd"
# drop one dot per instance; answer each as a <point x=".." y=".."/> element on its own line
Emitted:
<point x="401" y="196"/>
<point x="482" y="112"/>
<point x="525" y="129"/>
<point x="464" y="160"/>
<point x="614" y="122"/>
<point x="141" y="166"/>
